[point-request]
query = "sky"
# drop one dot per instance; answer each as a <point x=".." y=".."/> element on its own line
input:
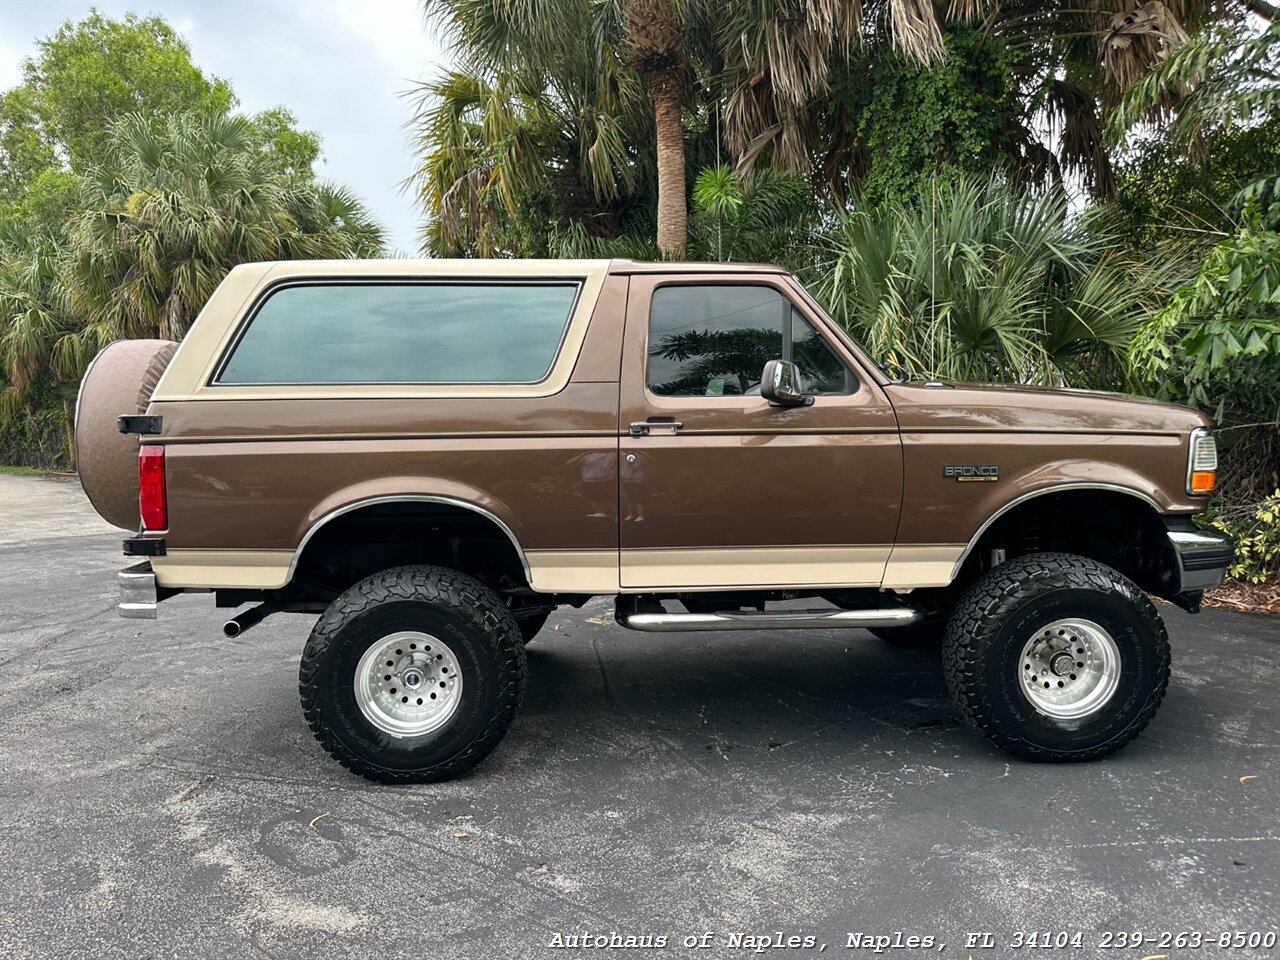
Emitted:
<point x="339" y="65"/>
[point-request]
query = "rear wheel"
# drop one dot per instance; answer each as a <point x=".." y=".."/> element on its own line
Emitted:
<point x="413" y="675"/>
<point x="1056" y="657"/>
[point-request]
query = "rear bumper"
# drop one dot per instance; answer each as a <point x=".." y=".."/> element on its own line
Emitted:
<point x="138" y="598"/>
<point x="1203" y="557"/>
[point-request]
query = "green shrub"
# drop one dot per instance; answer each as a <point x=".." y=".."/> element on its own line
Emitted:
<point x="36" y="434"/>
<point x="1257" y="540"/>
<point x="1216" y="346"/>
<point x="977" y="280"/>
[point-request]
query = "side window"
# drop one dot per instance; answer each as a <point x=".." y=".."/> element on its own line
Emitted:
<point x="713" y="340"/>
<point x="403" y="333"/>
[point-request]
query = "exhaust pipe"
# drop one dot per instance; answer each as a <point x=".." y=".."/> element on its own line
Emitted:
<point x="250" y="618"/>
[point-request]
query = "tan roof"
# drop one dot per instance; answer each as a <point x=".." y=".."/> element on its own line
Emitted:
<point x="496" y="267"/>
<point x="667" y="266"/>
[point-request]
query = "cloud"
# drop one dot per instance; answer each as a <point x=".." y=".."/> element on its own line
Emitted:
<point x="339" y="65"/>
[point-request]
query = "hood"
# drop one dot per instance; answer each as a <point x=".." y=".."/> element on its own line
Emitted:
<point x="1003" y="407"/>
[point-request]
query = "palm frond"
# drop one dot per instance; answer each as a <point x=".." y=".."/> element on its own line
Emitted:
<point x="978" y="281"/>
<point x="1215" y="79"/>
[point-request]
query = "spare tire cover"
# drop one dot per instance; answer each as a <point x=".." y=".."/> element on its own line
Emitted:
<point x="119" y="382"/>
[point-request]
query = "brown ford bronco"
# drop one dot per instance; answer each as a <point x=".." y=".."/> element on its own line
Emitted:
<point x="434" y="455"/>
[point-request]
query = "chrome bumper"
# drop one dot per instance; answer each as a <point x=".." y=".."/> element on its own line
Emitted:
<point x="137" y="592"/>
<point x="1203" y="557"/>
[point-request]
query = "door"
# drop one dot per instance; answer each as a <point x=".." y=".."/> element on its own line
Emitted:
<point x="718" y="487"/>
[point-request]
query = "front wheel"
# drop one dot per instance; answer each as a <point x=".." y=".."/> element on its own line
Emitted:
<point x="1056" y="657"/>
<point x="413" y="675"/>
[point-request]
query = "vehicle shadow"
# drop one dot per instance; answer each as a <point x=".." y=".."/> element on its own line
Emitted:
<point x="830" y="695"/>
<point x="825" y="692"/>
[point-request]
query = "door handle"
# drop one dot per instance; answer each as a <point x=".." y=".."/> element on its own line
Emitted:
<point x="666" y="428"/>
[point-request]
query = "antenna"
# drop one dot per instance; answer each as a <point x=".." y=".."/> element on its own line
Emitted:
<point x="933" y="268"/>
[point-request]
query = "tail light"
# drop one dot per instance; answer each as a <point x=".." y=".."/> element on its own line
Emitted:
<point x="153" y="502"/>
<point x="1202" y="462"/>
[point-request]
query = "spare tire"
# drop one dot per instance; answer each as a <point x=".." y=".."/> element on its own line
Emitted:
<point x="119" y="382"/>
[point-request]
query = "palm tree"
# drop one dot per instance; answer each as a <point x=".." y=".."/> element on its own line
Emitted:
<point x="769" y="217"/>
<point x="502" y="142"/>
<point x="565" y="109"/>
<point x="976" y="281"/>
<point x="652" y="34"/>
<point x="482" y="128"/>
<point x="1225" y="77"/>
<point x="1074" y="62"/>
<point x="778" y="61"/>
<point x="1094" y="54"/>
<point x="175" y="204"/>
<point x="554" y="100"/>
<point x="35" y="312"/>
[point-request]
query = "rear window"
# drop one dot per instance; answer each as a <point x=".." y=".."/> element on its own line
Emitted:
<point x="403" y="333"/>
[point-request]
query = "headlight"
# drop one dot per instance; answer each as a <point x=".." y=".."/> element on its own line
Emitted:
<point x="1202" y="462"/>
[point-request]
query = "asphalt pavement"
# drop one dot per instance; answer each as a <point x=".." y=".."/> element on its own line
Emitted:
<point x="161" y="796"/>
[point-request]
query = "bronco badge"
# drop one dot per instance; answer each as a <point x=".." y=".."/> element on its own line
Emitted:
<point x="988" y="472"/>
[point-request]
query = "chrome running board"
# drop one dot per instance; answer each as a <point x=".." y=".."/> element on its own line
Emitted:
<point x="776" y="620"/>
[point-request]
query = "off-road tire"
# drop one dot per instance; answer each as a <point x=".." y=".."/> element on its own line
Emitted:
<point x="530" y="626"/>
<point x="118" y="382"/>
<point x="459" y="609"/>
<point x="917" y="636"/>
<point x="984" y="639"/>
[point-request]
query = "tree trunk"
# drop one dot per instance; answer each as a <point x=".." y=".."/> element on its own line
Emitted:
<point x="69" y="418"/>
<point x="673" y="215"/>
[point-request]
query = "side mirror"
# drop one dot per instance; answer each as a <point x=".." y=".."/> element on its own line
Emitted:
<point x="781" y="385"/>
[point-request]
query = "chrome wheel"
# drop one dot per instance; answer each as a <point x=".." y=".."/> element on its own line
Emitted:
<point x="408" y="684"/>
<point x="1070" y="669"/>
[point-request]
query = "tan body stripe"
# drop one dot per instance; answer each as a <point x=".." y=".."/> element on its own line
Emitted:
<point x="223" y="569"/>
<point x="753" y="566"/>
<point x="597" y="571"/>
<point x="922" y="565"/>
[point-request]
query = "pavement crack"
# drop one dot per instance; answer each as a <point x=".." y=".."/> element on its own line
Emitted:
<point x="195" y="788"/>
